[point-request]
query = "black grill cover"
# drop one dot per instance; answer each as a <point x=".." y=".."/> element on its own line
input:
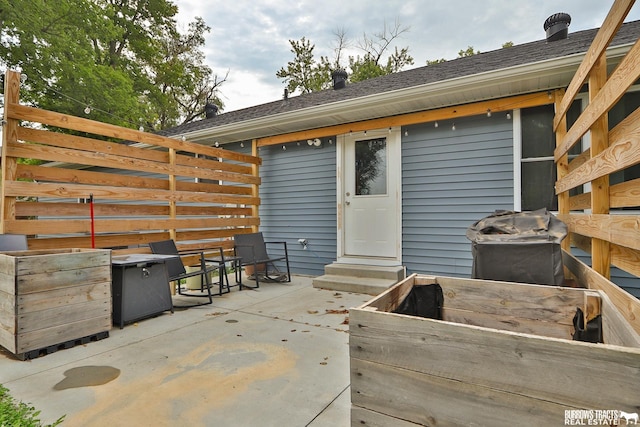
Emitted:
<point x="519" y="247"/>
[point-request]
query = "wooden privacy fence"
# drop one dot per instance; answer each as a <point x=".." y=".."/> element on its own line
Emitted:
<point x="597" y="222"/>
<point x="145" y="187"/>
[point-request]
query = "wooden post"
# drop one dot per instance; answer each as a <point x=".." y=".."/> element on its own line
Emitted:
<point x="255" y="188"/>
<point x="600" y="249"/>
<point x="562" y="167"/>
<point x="172" y="188"/>
<point x="9" y="137"/>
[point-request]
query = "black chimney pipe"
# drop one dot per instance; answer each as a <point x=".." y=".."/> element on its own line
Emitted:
<point x="210" y="110"/>
<point x="557" y="26"/>
<point x="339" y="79"/>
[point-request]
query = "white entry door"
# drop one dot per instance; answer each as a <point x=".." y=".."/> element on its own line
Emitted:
<point x="370" y="202"/>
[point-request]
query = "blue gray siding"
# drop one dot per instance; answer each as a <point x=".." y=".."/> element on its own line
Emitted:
<point x="450" y="180"/>
<point x="298" y="201"/>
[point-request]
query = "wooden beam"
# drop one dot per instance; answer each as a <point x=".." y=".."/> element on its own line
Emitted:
<point x="66" y="191"/>
<point x="562" y="167"/>
<point x="620" y="229"/>
<point x="615" y="158"/>
<point x="600" y="254"/>
<point x="625" y="194"/>
<point x="85" y="158"/>
<point x="172" y="189"/>
<point x="496" y="105"/>
<point x="608" y="30"/>
<point x="114" y="225"/>
<point x="626" y="259"/>
<point x="622" y="78"/>
<point x="255" y="188"/>
<point x="22" y="112"/>
<point x="9" y="135"/>
<point x="627" y="304"/>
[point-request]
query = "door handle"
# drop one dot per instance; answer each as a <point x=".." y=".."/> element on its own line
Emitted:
<point x="347" y="203"/>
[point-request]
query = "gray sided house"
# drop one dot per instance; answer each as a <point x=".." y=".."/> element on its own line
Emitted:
<point x="392" y="171"/>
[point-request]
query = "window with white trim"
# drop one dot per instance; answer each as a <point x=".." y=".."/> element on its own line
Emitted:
<point x="537" y="167"/>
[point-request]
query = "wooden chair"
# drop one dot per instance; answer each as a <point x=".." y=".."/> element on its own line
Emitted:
<point x="177" y="270"/>
<point x="252" y="250"/>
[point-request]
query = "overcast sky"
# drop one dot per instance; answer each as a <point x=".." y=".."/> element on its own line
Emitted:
<point x="250" y="38"/>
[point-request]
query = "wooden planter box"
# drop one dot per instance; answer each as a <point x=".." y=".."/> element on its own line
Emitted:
<point x="502" y="355"/>
<point x="53" y="297"/>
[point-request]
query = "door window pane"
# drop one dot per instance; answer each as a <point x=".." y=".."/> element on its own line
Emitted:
<point x="371" y="167"/>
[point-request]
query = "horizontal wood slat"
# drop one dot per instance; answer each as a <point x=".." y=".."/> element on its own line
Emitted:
<point x="622" y="78"/>
<point x="66" y="190"/>
<point x="45" y="226"/>
<point x="65" y="121"/>
<point x="74" y="209"/>
<point x="117" y="188"/>
<point x="596" y="222"/>
<point x="612" y="23"/>
<point x="623" y="230"/>
<point x="623" y="151"/>
<point x="55" y="154"/>
<point x="138" y="153"/>
<point x="628" y="306"/>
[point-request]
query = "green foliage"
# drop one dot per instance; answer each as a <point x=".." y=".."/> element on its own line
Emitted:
<point x="18" y="414"/>
<point x="462" y="53"/>
<point x="435" y="61"/>
<point x="369" y="67"/>
<point x="306" y="74"/>
<point x="126" y="60"/>
<point x="303" y="72"/>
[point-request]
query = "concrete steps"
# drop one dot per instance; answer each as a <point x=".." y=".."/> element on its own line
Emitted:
<point x="362" y="279"/>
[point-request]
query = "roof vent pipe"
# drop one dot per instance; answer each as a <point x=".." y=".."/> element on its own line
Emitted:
<point x="210" y="110"/>
<point x="557" y="26"/>
<point x="339" y="79"/>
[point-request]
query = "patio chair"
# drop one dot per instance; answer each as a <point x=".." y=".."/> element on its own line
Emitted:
<point x="13" y="242"/>
<point x="177" y="270"/>
<point x="251" y="249"/>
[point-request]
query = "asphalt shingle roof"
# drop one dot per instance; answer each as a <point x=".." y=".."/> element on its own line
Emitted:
<point x="528" y="53"/>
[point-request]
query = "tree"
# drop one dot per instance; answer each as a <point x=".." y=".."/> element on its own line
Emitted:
<point x="124" y="61"/>
<point x="469" y="51"/>
<point x="307" y="74"/>
<point x="303" y="72"/>
<point x="462" y="53"/>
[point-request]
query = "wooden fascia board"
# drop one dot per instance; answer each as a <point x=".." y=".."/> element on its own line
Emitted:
<point x="495" y="105"/>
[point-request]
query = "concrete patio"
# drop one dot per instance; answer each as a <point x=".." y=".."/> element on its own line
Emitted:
<point x="275" y="356"/>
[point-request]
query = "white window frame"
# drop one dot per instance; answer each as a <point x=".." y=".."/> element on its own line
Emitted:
<point x="517" y="153"/>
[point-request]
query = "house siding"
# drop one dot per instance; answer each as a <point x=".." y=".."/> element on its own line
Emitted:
<point x="451" y="179"/>
<point x="298" y="201"/>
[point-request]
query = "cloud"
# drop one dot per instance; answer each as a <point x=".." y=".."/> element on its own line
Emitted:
<point x="250" y="38"/>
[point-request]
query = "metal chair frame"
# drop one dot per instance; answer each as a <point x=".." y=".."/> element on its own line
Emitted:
<point x="251" y="249"/>
<point x="177" y="270"/>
